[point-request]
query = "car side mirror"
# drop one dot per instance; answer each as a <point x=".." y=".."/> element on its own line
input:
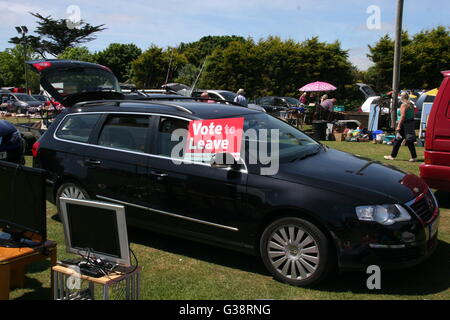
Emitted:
<point x="226" y="161"/>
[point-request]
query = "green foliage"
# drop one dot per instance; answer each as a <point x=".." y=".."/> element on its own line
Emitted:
<point x="12" y="68"/>
<point x="187" y="74"/>
<point x="54" y="36"/>
<point x="78" y="53"/>
<point x="276" y="67"/>
<point x="423" y="57"/>
<point x="118" y="58"/>
<point x="197" y="51"/>
<point x="151" y="68"/>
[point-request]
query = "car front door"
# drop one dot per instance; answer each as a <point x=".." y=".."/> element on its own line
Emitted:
<point x="191" y="198"/>
<point x="116" y="159"/>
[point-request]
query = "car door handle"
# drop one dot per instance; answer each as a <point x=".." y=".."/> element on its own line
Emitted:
<point x="92" y="162"/>
<point x="158" y="174"/>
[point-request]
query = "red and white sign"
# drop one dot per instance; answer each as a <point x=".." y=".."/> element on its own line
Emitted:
<point x="208" y="137"/>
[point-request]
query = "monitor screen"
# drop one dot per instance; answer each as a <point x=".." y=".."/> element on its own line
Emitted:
<point x="22" y="199"/>
<point x="95" y="228"/>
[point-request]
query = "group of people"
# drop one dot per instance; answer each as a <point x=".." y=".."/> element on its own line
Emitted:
<point x="324" y="107"/>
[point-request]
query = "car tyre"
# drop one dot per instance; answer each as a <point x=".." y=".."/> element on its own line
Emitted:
<point x="297" y="252"/>
<point x="70" y="190"/>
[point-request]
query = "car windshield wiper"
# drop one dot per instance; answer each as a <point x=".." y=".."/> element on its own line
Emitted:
<point x="309" y="154"/>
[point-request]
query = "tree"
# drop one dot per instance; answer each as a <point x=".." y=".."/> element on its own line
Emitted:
<point x="118" y="58"/>
<point x="197" y="51"/>
<point x="276" y="67"/>
<point x="78" y="53"/>
<point x="150" y="69"/>
<point x="423" y="57"/>
<point x="55" y="36"/>
<point x="11" y="69"/>
<point x="12" y="72"/>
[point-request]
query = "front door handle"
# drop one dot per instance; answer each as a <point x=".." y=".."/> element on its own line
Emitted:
<point x="159" y="175"/>
<point x="92" y="162"/>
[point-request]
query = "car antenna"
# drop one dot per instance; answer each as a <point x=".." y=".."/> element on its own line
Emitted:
<point x="198" y="76"/>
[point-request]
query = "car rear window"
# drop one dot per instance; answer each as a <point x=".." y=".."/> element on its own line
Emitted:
<point x="77" y="127"/>
<point x="126" y="132"/>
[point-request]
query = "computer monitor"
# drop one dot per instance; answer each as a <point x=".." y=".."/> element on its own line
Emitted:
<point x="96" y="229"/>
<point x="22" y="204"/>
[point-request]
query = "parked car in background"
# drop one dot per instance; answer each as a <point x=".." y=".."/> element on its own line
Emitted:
<point x="12" y="146"/>
<point x="273" y="105"/>
<point x="303" y="221"/>
<point x="424" y="98"/>
<point x="436" y="168"/>
<point x="44" y="99"/>
<point x="21" y="103"/>
<point x="226" y="96"/>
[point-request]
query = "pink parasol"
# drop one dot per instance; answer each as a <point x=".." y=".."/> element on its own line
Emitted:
<point x="317" y="86"/>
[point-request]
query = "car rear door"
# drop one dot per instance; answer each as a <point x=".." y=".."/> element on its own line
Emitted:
<point x="116" y="159"/>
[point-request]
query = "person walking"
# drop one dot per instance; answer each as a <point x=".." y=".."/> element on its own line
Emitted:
<point x="240" y="98"/>
<point x="405" y="129"/>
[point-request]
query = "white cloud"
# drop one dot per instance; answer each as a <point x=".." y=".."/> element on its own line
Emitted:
<point x="358" y="56"/>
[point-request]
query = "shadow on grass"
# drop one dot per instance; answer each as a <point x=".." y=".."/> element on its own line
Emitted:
<point x="197" y="250"/>
<point x="430" y="277"/>
<point x="38" y="291"/>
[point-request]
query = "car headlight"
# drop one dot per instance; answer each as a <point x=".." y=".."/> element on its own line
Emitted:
<point x="384" y="214"/>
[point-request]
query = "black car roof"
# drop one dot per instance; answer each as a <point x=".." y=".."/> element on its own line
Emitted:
<point x="198" y="110"/>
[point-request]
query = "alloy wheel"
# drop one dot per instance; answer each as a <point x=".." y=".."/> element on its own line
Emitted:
<point x="293" y="252"/>
<point x="73" y="192"/>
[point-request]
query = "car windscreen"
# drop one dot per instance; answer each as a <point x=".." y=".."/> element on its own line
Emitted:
<point x="25" y="97"/>
<point x="229" y="96"/>
<point x="291" y="101"/>
<point x="78" y="80"/>
<point x="262" y="128"/>
<point x="40" y="98"/>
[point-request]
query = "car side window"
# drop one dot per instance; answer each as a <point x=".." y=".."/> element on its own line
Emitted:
<point x="166" y="127"/>
<point x="77" y="127"/>
<point x="127" y="132"/>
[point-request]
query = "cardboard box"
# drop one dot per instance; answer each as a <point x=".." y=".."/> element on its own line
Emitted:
<point x="338" y="136"/>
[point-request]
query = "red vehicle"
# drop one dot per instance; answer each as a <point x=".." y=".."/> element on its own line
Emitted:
<point x="436" y="169"/>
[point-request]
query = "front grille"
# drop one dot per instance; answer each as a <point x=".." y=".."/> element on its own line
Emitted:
<point x="425" y="207"/>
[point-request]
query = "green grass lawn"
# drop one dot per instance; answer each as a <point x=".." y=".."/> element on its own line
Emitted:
<point x="180" y="269"/>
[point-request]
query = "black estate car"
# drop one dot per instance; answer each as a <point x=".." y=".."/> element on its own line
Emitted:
<point x="322" y="209"/>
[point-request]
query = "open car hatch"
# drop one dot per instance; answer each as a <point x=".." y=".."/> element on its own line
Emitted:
<point x="71" y="81"/>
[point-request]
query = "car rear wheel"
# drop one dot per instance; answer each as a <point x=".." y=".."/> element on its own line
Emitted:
<point x="70" y="190"/>
<point x="297" y="252"/>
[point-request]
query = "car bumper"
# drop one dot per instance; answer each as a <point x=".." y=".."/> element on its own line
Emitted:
<point x="437" y="177"/>
<point x="396" y="247"/>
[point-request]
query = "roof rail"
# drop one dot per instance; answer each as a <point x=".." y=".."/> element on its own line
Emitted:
<point x="192" y="98"/>
<point x="118" y="102"/>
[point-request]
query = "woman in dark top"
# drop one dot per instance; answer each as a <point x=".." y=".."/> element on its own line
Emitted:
<point x="405" y="129"/>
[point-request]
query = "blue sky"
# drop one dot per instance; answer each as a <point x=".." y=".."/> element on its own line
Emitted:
<point x="169" y="22"/>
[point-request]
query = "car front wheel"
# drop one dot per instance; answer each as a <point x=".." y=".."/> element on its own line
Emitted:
<point x="297" y="252"/>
